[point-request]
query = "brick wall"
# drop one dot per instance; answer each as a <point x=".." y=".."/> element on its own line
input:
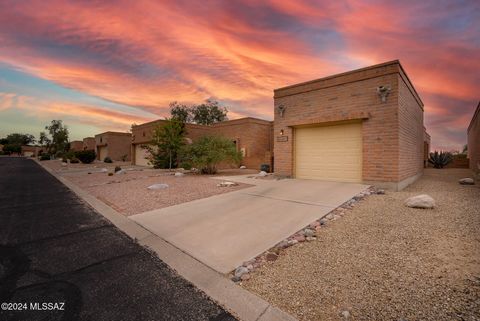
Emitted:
<point x="353" y="96"/>
<point x="118" y="145"/>
<point x="474" y="141"/>
<point x="89" y="143"/>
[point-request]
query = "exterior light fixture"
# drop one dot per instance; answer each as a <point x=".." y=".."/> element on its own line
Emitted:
<point x="383" y="92"/>
<point x="281" y="109"/>
<point x="281" y="132"/>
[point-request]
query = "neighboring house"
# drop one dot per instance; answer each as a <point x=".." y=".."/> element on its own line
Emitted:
<point x="362" y="126"/>
<point x="76" y="145"/>
<point x="31" y="151"/>
<point x="115" y="145"/>
<point x="474" y="141"/>
<point x="252" y="137"/>
<point x="89" y="143"/>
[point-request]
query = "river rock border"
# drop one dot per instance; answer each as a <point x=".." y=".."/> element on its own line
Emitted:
<point x="306" y="234"/>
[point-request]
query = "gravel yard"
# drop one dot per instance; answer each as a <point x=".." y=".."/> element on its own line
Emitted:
<point x="128" y="193"/>
<point x="384" y="261"/>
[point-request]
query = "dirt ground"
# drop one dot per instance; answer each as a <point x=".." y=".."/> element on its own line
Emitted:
<point x="384" y="261"/>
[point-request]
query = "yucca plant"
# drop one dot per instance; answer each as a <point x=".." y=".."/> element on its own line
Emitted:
<point x="440" y="159"/>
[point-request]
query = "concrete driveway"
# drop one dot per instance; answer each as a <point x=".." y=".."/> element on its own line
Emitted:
<point x="226" y="230"/>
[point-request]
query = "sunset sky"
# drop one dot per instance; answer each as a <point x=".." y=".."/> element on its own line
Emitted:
<point x="103" y="65"/>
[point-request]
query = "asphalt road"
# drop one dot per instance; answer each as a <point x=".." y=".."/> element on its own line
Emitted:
<point x="56" y="252"/>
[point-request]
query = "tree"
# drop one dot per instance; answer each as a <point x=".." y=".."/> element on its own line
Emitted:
<point x="12" y="149"/>
<point x="58" y="140"/>
<point x="209" y="151"/>
<point x="20" y="139"/>
<point x="465" y="149"/>
<point x="167" y="141"/>
<point x="181" y="112"/>
<point x="208" y="113"/>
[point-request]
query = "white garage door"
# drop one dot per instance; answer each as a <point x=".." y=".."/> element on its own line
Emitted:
<point x="140" y="155"/>
<point x="330" y="153"/>
<point x="102" y="152"/>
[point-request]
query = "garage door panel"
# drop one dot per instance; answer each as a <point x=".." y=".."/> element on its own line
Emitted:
<point x="102" y="153"/>
<point x="329" y="153"/>
<point x="140" y="156"/>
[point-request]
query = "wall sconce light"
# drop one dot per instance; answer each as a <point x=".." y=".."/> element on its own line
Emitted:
<point x="281" y="132"/>
<point x="383" y="92"/>
<point x="281" y="109"/>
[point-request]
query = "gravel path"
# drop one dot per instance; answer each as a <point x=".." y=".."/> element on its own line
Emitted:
<point x="384" y="261"/>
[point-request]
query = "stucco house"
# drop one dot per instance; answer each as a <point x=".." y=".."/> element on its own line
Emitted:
<point x="473" y="134"/>
<point x="362" y="126"/>
<point x="251" y="136"/>
<point x="115" y="145"/>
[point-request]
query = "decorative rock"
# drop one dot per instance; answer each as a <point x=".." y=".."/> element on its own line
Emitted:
<point x="299" y="238"/>
<point x="420" y="201"/>
<point x="335" y="217"/>
<point x="381" y="192"/>
<point x="64" y="164"/>
<point x="282" y="245"/>
<point x="121" y="172"/>
<point x="104" y="170"/>
<point x="466" y="181"/>
<point x="345" y="314"/>
<point x="329" y="216"/>
<point x="245" y="277"/>
<point x="158" y="186"/>
<point x="311" y="238"/>
<point x="308" y="232"/>
<point x="323" y="221"/>
<point x="314" y="224"/>
<point x="250" y="267"/>
<point x="236" y="279"/>
<point x="243" y="167"/>
<point x="271" y="257"/>
<point x="178" y="174"/>
<point x="262" y="173"/>
<point x="292" y="242"/>
<point x="241" y="270"/>
<point x="227" y="184"/>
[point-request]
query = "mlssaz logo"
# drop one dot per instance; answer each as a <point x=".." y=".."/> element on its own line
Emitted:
<point x="47" y="306"/>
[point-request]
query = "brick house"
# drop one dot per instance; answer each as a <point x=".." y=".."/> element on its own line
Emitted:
<point x="365" y="126"/>
<point x="473" y="133"/>
<point x="115" y="145"/>
<point x="76" y="145"/>
<point x="252" y="137"/>
<point x="89" y="143"/>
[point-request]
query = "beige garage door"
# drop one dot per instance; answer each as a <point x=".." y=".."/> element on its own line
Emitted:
<point x="102" y="152"/>
<point x="331" y="153"/>
<point x="140" y="154"/>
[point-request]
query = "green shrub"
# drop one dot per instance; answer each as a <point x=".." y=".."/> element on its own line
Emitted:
<point x="185" y="165"/>
<point x="44" y="157"/>
<point x="107" y="160"/>
<point x="440" y="159"/>
<point x="117" y="168"/>
<point x="69" y="155"/>
<point x="86" y="156"/>
<point x="59" y="154"/>
<point x="74" y="160"/>
<point x="209" y="151"/>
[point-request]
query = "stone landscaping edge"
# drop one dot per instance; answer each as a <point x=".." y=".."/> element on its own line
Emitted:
<point x="243" y="304"/>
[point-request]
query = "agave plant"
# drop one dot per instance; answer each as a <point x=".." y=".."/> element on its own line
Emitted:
<point x="440" y="159"/>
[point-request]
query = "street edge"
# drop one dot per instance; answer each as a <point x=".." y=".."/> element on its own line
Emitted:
<point x="243" y="304"/>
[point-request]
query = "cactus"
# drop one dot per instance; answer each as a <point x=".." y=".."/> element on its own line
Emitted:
<point x="440" y="159"/>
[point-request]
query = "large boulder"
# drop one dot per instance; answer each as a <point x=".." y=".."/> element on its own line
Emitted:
<point x="420" y="201"/>
<point x="466" y="181"/>
<point x="227" y="184"/>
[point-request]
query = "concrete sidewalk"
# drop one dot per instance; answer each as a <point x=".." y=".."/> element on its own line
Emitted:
<point x="226" y="230"/>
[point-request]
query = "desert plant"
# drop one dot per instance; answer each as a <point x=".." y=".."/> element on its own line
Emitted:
<point x="117" y="168"/>
<point x="69" y="155"/>
<point x="74" y="160"/>
<point x="185" y="165"/>
<point x="209" y="151"/>
<point x="440" y="159"/>
<point x="44" y="156"/>
<point x="124" y="158"/>
<point x="166" y="144"/>
<point x="107" y="160"/>
<point x="85" y="156"/>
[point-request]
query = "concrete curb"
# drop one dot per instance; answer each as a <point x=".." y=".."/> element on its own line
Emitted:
<point x="243" y="304"/>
